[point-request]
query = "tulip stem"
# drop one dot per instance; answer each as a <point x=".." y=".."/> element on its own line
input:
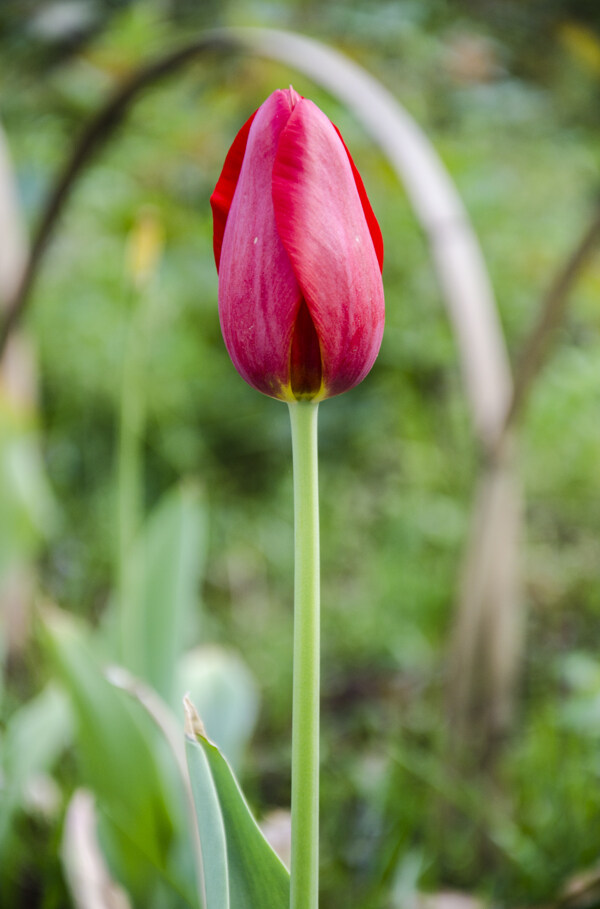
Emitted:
<point x="304" y="884"/>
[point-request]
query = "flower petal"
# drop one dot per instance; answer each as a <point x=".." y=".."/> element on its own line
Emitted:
<point x="259" y="296"/>
<point x="322" y="225"/>
<point x="222" y="196"/>
<point x="369" y="214"/>
<point x="306" y="367"/>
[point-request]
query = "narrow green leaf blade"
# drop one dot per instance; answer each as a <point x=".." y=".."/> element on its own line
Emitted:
<point x="256" y="876"/>
<point x="211" y="829"/>
<point x="168" y="565"/>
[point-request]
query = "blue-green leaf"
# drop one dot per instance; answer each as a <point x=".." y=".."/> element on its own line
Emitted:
<point x="241" y="870"/>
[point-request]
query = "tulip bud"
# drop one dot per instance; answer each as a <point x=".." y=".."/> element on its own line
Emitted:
<point x="299" y="255"/>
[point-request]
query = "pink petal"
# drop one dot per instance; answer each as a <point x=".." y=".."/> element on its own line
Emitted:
<point x="259" y="295"/>
<point x="322" y="225"/>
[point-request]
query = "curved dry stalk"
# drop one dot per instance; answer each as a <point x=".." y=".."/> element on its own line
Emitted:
<point x="86" y="872"/>
<point x="487" y="636"/>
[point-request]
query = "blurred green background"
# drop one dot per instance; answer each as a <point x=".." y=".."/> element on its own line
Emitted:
<point x="509" y="95"/>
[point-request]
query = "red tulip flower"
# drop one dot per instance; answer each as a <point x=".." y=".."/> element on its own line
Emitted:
<point x="299" y="255"/>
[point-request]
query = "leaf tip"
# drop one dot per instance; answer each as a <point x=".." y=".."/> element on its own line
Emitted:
<point x="194" y="727"/>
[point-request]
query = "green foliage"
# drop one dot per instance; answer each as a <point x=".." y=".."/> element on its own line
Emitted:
<point x="121" y="760"/>
<point x="28" y="510"/>
<point x="35" y="736"/>
<point x="518" y="131"/>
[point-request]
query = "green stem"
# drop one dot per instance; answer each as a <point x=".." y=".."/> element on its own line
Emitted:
<point x="130" y="482"/>
<point x="304" y="885"/>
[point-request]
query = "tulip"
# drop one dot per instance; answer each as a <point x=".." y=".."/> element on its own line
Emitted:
<point x="299" y="255"/>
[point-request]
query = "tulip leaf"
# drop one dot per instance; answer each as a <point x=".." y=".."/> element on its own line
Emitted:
<point x="122" y="759"/>
<point x="241" y="870"/>
<point x="166" y="568"/>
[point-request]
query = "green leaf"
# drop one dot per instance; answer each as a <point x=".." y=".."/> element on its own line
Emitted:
<point x="167" y="568"/>
<point x="35" y="736"/>
<point x="241" y="870"/>
<point x="125" y="761"/>
<point x="28" y="512"/>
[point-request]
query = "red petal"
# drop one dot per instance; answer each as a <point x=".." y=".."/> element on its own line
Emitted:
<point x="374" y="228"/>
<point x="322" y="225"/>
<point x="222" y="196"/>
<point x="259" y="295"/>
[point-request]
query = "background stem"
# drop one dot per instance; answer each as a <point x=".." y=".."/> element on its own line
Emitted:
<point x="304" y="887"/>
<point x="130" y="488"/>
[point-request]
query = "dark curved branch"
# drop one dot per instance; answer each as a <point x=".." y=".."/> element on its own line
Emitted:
<point x="96" y="134"/>
<point x="551" y="313"/>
